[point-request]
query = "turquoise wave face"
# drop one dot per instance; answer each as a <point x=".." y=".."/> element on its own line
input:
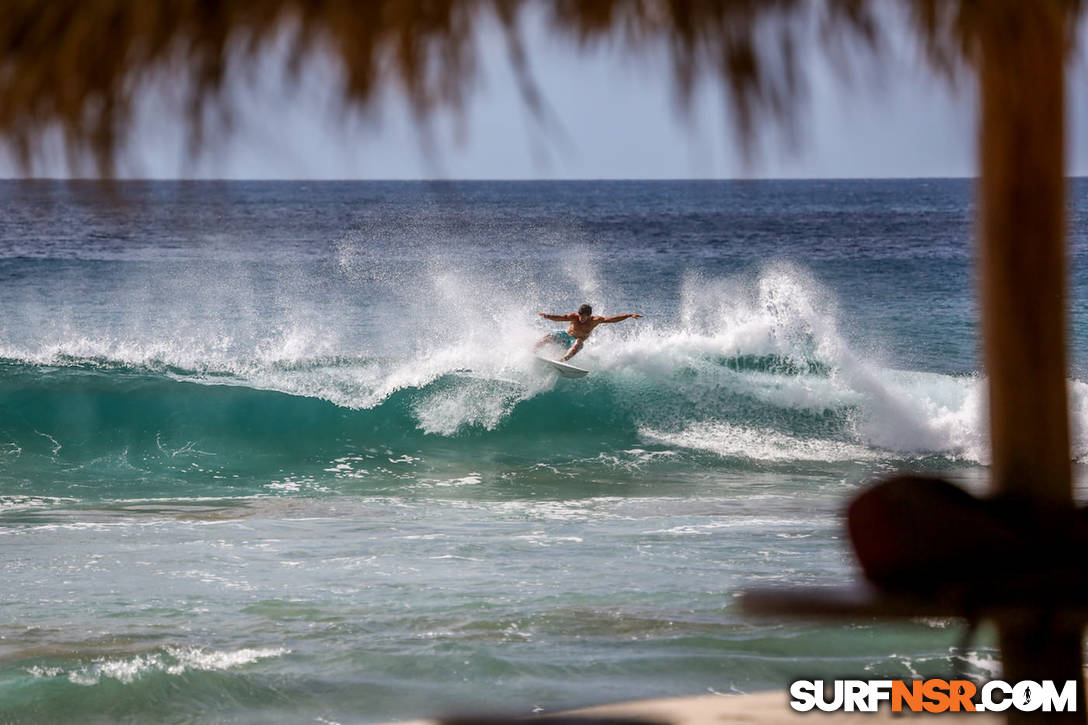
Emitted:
<point x="213" y="389"/>
<point x="107" y="428"/>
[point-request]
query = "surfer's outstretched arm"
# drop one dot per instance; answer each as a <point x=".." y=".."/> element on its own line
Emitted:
<point x="621" y="318"/>
<point x="557" y="318"/>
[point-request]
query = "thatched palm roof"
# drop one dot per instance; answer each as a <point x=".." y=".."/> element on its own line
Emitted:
<point x="79" y="65"/>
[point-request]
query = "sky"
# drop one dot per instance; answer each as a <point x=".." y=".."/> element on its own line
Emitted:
<point x="611" y="115"/>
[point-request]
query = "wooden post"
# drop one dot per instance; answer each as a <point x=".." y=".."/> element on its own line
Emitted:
<point x="1022" y="270"/>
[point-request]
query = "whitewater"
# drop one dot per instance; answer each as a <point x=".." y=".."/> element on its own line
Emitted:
<point x="747" y="369"/>
<point x="279" y="451"/>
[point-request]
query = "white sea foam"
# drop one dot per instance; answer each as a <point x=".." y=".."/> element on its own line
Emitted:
<point x="788" y="315"/>
<point x="18" y="502"/>
<point x="986" y="662"/>
<point x="758" y="444"/>
<point x="759" y="523"/>
<point x="196" y="658"/>
<point x="172" y="661"/>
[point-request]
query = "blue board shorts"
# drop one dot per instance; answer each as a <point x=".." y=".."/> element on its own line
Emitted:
<point x="562" y="337"/>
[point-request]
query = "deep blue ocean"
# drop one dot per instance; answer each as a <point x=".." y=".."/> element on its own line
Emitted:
<point x="280" y="452"/>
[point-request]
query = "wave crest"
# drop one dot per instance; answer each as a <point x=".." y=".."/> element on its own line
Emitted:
<point x="749" y="367"/>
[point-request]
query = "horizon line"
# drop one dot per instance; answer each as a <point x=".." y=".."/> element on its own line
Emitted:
<point x="490" y="179"/>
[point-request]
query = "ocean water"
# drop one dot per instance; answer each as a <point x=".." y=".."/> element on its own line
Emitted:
<point x="280" y="452"/>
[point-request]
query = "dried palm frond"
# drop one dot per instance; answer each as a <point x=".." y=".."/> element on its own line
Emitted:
<point x="79" y="65"/>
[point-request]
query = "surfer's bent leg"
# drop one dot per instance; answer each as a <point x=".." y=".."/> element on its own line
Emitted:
<point x="559" y="337"/>
<point x="573" y="350"/>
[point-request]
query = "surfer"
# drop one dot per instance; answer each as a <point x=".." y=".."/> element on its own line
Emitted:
<point x="581" y="325"/>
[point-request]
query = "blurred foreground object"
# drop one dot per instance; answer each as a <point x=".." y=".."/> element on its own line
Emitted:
<point x="75" y="69"/>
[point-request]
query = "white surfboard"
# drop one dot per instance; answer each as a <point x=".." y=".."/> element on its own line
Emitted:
<point x="564" y="369"/>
